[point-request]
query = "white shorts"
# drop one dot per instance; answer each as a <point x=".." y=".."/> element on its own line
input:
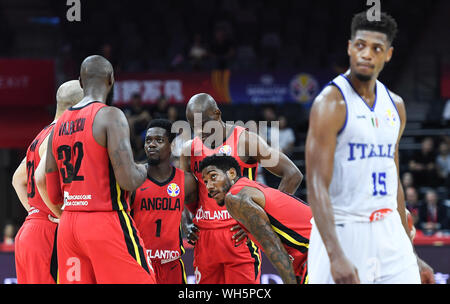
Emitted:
<point x="380" y="250"/>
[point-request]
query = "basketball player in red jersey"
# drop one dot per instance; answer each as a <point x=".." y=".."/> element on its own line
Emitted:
<point x="213" y="229"/>
<point x="35" y="250"/>
<point x="89" y="167"/>
<point x="278" y="222"/>
<point x="158" y="203"/>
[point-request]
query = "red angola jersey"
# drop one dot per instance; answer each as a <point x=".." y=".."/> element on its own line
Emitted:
<point x="87" y="179"/>
<point x="209" y="215"/>
<point x="289" y="217"/>
<point x="37" y="206"/>
<point x="157" y="208"/>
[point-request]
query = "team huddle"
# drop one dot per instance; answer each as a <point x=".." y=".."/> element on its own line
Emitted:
<point x="96" y="216"/>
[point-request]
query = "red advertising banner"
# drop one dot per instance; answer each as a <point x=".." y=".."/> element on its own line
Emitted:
<point x="176" y="87"/>
<point x="27" y="88"/>
<point x="27" y="82"/>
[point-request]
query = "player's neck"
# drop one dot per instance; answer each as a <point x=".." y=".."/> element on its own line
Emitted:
<point x="160" y="172"/>
<point x="95" y="94"/>
<point x="366" y="89"/>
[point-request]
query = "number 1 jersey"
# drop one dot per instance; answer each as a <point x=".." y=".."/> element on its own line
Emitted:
<point x="156" y="208"/>
<point x="86" y="174"/>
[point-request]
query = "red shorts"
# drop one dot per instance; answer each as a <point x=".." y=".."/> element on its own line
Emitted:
<point x="101" y="247"/>
<point x="35" y="252"/>
<point x="218" y="261"/>
<point x="172" y="272"/>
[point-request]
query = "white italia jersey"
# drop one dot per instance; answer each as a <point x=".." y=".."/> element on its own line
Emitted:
<point x="364" y="183"/>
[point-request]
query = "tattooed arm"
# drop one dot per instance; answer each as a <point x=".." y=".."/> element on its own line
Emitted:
<point x="243" y="208"/>
<point x="111" y="130"/>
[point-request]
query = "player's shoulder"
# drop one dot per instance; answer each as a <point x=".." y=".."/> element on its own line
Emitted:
<point x="111" y="111"/>
<point x="330" y="94"/>
<point x="397" y="99"/>
<point x="108" y="115"/>
<point x="329" y="101"/>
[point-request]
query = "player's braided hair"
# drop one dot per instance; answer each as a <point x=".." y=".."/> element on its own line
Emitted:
<point x="222" y="162"/>
<point x="387" y="25"/>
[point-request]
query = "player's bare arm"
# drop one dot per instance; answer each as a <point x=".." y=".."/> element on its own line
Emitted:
<point x="327" y="117"/>
<point x="41" y="183"/>
<point x="19" y="182"/>
<point x="190" y="186"/>
<point x="185" y="165"/>
<point x="111" y="130"/>
<point x="185" y="157"/>
<point x="52" y="179"/>
<point x="291" y="177"/>
<point x="244" y="209"/>
<point x="426" y="272"/>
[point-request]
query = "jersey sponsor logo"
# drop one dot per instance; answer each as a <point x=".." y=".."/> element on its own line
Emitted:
<point x="33" y="210"/>
<point x="379" y="214"/>
<point x="72" y="126"/>
<point x="226" y="149"/>
<point x="173" y="190"/>
<point x="160" y="203"/>
<point x="76" y="199"/>
<point x="211" y="216"/>
<point x="163" y="254"/>
<point x="364" y="151"/>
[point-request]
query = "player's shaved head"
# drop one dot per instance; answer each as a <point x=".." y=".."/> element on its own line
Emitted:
<point x="68" y="94"/>
<point x="95" y="69"/>
<point x="201" y="103"/>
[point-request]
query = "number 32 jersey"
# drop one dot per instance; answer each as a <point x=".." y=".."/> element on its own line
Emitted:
<point x="86" y="174"/>
<point x="156" y="208"/>
<point x="364" y="183"/>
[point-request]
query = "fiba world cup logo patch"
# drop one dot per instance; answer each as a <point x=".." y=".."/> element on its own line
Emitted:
<point x="173" y="189"/>
<point x="226" y="149"/>
<point x="303" y="87"/>
<point x="390" y="117"/>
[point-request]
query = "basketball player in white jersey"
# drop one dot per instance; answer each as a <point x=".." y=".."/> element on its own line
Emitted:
<point x="360" y="232"/>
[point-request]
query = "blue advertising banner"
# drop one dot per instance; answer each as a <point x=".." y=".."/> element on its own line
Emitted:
<point x="277" y="87"/>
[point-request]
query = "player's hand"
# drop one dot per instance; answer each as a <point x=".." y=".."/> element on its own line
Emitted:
<point x="239" y="236"/>
<point x="426" y="272"/>
<point x="53" y="219"/>
<point x="343" y="271"/>
<point x="192" y="234"/>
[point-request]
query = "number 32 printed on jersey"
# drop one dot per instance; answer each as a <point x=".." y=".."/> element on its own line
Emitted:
<point x="65" y="152"/>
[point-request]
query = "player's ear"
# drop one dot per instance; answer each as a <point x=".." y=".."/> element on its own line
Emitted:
<point x="217" y="114"/>
<point x="231" y="173"/>
<point x="81" y="82"/>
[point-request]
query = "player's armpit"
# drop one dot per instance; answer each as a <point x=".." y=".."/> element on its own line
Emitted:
<point x="255" y="220"/>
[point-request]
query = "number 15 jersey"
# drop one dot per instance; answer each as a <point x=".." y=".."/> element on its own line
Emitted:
<point x="365" y="180"/>
<point x="86" y="174"/>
